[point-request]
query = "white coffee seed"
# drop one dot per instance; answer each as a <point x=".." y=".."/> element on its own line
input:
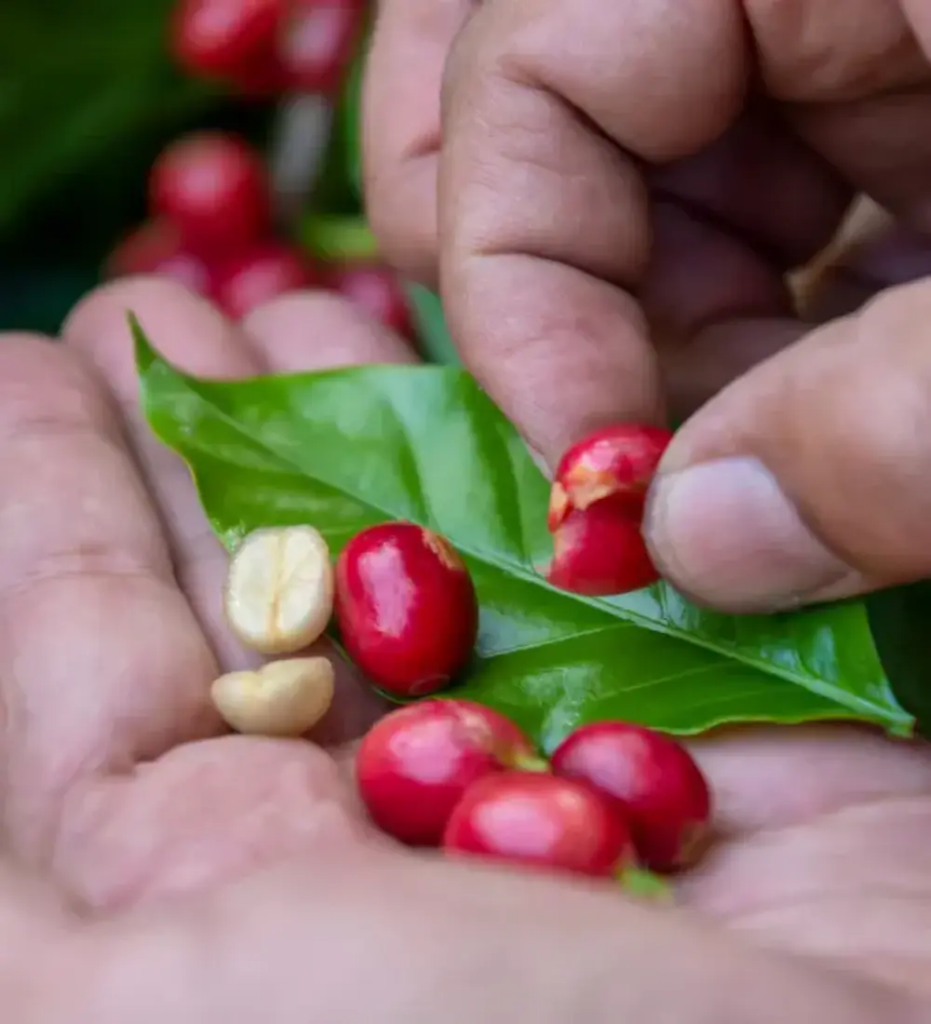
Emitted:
<point x="283" y="698"/>
<point x="279" y="590"/>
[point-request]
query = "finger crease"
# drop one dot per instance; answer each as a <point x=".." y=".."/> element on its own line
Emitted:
<point x="88" y="562"/>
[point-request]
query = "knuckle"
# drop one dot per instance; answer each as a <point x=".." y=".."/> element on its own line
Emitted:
<point x="97" y="324"/>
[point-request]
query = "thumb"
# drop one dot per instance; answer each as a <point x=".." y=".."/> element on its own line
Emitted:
<point x="809" y="478"/>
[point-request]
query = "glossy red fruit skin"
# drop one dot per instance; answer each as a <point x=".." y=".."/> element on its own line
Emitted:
<point x="414" y="765"/>
<point x="540" y="820"/>
<point x="317" y="43"/>
<point x="156" y="248"/>
<point x="233" y="40"/>
<point x="653" y="782"/>
<point x="214" y="188"/>
<point x="376" y="290"/>
<point x="617" y="460"/>
<point x="600" y="551"/>
<point x="261" y="274"/>
<point x="406" y="608"/>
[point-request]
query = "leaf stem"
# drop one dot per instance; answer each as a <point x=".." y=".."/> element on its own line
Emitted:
<point x="340" y="239"/>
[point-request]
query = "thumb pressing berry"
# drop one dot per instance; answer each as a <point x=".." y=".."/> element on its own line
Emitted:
<point x="596" y="510"/>
<point x="406" y="608"/>
<point x="543" y="821"/>
<point x="652" y="781"/>
<point x="414" y="765"/>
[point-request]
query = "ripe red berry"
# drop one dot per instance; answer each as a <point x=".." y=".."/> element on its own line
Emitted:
<point x="618" y="460"/>
<point x="261" y="274"/>
<point x="652" y="780"/>
<point x="214" y="187"/>
<point x="376" y="290"/>
<point x="414" y="765"/>
<point x="406" y="607"/>
<point x="318" y="41"/>
<point x="233" y="40"/>
<point x="156" y="248"/>
<point x="600" y="550"/>
<point x="541" y="820"/>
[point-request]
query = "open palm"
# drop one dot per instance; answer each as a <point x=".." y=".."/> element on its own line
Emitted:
<point x="119" y="782"/>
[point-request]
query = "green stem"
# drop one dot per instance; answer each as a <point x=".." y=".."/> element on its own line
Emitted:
<point x="339" y="239"/>
<point x="643" y="884"/>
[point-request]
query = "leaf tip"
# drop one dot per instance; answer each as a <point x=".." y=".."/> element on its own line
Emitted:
<point x="145" y="354"/>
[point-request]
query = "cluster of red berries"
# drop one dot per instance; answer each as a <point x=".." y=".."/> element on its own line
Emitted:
<point x="211" y="223"/>
<point x="454" y="774"/>
<point x="211" y="228"/>
<point x="262" y="48"/>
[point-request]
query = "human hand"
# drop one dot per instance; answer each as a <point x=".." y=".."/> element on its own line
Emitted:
<point x="158" y="870"/>
<point x="623" y="188"/>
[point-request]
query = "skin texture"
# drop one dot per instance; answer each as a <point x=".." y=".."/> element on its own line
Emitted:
<point x="610" y="219"/>
<point x="815" y="904"/>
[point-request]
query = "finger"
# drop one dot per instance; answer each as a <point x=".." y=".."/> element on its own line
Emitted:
<point x="190" y="333"/>
<point x="401" y="127"/>
<point x="318" y="331"/>
<point x="806" y="479"/>
<point x="126" y="839"/>
<point x="314" y="332"/>
<point x="541" y="221"/>
<point x="727" y="224"/>
<point x="544" y="221"/>
<point x="719" y="354"/>
<point x="102" y="663"/>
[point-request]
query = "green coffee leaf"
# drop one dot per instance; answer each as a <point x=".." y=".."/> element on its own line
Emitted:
<point x="344" y="449"/>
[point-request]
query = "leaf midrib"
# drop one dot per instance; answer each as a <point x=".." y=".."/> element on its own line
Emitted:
<point x="823" y="688"/>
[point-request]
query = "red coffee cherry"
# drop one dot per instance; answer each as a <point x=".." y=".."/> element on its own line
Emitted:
<point x="406" y="608"/>
<point x="261" y="274"/>
<point x="414" y="765"/>
<point x="213" y="186"/>
<point x="542" y="821"/>
<point x="653" y="782"/>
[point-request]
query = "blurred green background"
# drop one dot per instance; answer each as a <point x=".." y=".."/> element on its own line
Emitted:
<point x="88" y="97"/>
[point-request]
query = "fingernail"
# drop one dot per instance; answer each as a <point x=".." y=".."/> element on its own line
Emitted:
<point x="725" y="533"/>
